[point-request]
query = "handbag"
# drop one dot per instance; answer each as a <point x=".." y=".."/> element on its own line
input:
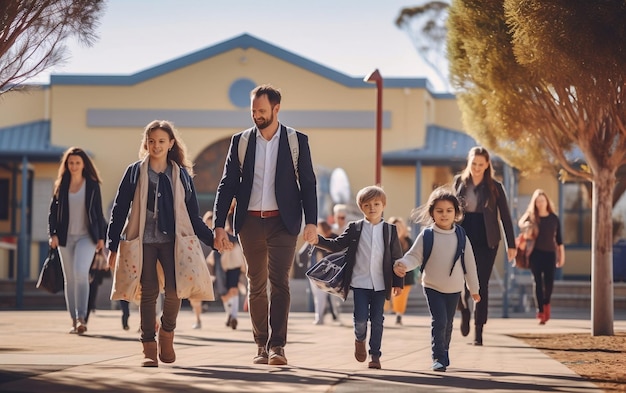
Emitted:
<point x="328" y="274"/>
<point x="524" y="249"/>
<point x="99" y="261"/>
<point x="51" y="276"/>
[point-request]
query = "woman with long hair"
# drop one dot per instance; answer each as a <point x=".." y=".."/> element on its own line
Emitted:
<point x="485" y="203"/>
<point x="541" y="224"/>
<point x="77" y="227"/>
<point x="161" y="192"/>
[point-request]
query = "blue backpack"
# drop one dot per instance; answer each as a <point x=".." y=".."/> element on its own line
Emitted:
<point x="429" y="238"/>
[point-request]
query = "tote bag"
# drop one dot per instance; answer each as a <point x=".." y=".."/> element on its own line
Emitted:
<point x="51" y="275"/>
<point x="328" y="274"/>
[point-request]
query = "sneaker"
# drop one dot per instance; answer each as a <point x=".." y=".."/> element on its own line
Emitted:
<point x="197" y="325"/>
<point x="261" y="356"/>
<point x="375" y="363"/>
<point x="233" y="323"/>
<point x="465" y="322"/>
<point x="399" y="320"/>
<point x="228" y="321"/>
<point x="438" y="367"/>
<point x="277" y="357"/>
<point x="360" y="352"/>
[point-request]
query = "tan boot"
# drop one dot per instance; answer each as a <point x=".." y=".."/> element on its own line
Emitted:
<point x="166" y="346"/>
<point x="150" y="354"/>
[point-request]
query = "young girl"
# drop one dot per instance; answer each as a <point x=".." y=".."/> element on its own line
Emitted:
<point x="76" y="225"/>
<point x="442" y="277"/>
<point x="543" y="226"/>
<point x="155" y="186"/>
<point x="372" y="246"/>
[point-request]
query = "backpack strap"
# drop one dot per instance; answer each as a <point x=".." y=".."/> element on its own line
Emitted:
<point x="184" y="177"/>
<point x="460" y="248"/>
<point x="292" y="139"/>
<point x="428" y="239"/>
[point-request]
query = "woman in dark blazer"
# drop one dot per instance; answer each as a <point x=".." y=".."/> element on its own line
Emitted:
<point x="76" y="225"/>
<point x="485" y="203"/>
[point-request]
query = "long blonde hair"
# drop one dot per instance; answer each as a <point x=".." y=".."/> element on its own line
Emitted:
<point x="178" y="152"/>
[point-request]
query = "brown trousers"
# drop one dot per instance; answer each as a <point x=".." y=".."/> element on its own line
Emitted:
<point x="164" y="253"/>
<point x="269" y="250"/>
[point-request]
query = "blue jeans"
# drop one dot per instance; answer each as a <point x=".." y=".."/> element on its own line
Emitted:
<point x="442" y="307"/>
<point x="76" y="259"/>
<point x="369" y="305"/>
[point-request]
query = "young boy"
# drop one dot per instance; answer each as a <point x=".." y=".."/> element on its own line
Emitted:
<point x="372" y="247"/>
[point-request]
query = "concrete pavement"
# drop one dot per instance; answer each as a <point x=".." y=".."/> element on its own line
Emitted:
<point x="38" y="355"/>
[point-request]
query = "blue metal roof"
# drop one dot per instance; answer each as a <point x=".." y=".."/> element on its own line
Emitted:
<point x="243" y="41"/>
<point x="442" y="146"/>
<point x="31" y="140"/>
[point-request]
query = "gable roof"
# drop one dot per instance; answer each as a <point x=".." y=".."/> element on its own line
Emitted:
<point x="443" y="146"/>
<point x="31" y="140"/>
<point x="244" y="41"/>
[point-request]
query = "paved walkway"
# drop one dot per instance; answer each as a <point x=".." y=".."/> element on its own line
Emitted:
<point x="38" y="355"/>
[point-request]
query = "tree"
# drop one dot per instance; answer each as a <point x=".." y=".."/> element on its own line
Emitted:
<point x="32" y="34"/>
<point x="537" y="78"/>
<point x="426" y="27"/>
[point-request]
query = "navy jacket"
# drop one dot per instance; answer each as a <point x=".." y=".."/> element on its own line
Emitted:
<point x="59" y="212"/>
<point x="292" y="195"/>
<point x="350" y="239"/>
<point x="122" y="205"/>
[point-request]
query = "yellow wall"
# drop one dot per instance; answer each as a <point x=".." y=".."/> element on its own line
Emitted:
<point x="24" y="106"/>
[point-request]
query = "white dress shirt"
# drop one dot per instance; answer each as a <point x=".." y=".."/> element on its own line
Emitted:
<point x="368" y="267"/>
<point x="263" y="195"/>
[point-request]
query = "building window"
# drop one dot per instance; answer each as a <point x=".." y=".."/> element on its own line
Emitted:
<point x="576" y="229"/>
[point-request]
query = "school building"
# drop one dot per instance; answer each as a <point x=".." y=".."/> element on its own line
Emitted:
<point x="206" y="95"/>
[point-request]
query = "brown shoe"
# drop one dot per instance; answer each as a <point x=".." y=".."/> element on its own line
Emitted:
<point x="81" y="326"/>
<point x="375" y="363"/>
<point x="233" y="323"/>
<point x="166" y="346"/>
<point x="277" y="357"/>
<point x="149" y="354"/>
<point x="261" y="356"/>
<point x="360" y="352"/>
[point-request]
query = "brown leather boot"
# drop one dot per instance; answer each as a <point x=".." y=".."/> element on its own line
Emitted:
<point x="149" y="354"/>
<point x="166" y="346"/>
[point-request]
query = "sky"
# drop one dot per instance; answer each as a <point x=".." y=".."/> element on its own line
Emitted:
<point x="350" y="36"/>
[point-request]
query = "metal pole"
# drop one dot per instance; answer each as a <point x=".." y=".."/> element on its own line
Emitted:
<point x="22" y="248"/>
<point x="379" y="128"/>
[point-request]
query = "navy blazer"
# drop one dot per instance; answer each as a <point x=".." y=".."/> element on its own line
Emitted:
<point x="59" y="212"/>
<point x="349" y="240"/>
<point x="293" y="195"/>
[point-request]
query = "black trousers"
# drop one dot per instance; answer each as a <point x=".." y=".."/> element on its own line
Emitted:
<point x="485" y="257"/>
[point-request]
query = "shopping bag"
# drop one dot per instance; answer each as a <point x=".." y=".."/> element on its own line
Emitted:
<point x="328" y="274"/>
<point x="51" y="275"/>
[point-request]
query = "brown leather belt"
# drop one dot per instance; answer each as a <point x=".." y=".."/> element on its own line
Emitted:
<point x="264" y="213"/>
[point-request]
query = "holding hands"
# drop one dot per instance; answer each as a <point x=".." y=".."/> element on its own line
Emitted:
<point x="220" y="240"/>
<point x="400" y="269"/>
<point x="310" y="234"/>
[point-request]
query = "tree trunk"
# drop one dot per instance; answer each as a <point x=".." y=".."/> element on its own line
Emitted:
<point x="602" y="253"/>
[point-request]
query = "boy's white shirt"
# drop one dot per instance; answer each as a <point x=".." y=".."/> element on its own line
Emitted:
<point x="436" y="275"/>
<point x="368" y="268"/>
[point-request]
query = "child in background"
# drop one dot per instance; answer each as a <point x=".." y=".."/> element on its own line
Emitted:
<point x="373" y="246"/>
<point x="443" y="277"/>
